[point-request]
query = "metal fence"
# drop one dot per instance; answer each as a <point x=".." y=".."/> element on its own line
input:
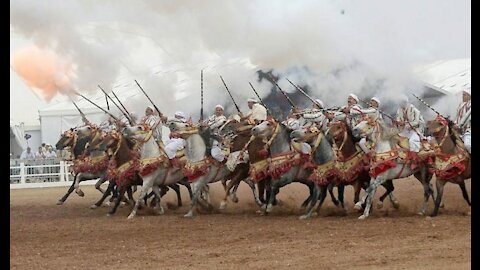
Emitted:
<point x="39" y="171"/>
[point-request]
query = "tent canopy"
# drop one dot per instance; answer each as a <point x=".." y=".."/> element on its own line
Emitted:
<point x="17" y="138"/>
<point x="447" y="76"/>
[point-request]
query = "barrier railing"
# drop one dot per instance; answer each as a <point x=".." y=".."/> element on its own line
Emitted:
<point x="29" y="172"/>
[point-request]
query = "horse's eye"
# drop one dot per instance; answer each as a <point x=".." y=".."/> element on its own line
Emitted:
<point x="268" y="124"/>
<point x="88" y="128"/>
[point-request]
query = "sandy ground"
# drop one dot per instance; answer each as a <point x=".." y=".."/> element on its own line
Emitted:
<point x="72" y="236"/>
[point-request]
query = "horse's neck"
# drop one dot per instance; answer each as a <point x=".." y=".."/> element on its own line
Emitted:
<point x="239" y="142"/>
<point x="323" y="153"/>
<point x="281" y="142"/>
<point x="254" y="148"/>
<point x="79" y="147"/>
<point x="448" y="146"/>
<point x="123" y="154"/>
<point x="195" y="148"/>
<point x="348" y="148"/>
<point x="150" y="149"/>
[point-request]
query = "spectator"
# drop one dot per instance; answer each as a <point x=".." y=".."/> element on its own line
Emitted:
<point x="50" y="153"/>
<point x="40" y="153"/>
<point x="27" y="154"/>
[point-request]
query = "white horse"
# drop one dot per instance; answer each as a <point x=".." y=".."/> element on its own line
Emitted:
<point x="197" y="155"/>
<point x="382" y="137"/>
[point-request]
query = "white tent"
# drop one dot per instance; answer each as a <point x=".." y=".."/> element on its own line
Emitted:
<point x="61" y="116"/>
<point x="17" y="139"/>
<point x="449" y="77"/>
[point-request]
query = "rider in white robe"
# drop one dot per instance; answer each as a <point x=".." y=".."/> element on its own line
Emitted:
<point x="257" y="112"/>
<point x="175" y="144"/>
<point x="412" y="122"/>
<point x="463" y="120"/>
<point x="215" y="121"/>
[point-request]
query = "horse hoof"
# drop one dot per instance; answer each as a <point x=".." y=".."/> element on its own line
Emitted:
<point x="122" y="204"/>
<point x="379" y="205"/>
<point x="161" y="211"/>
<point x="107" y="203"/>
<point x="223" y="205"/>
<point x="421" y="213"/>
<point x="358" y="206"/>
<point x="362" y="217"/>
<point x="188" y="215"/>
<point x="442" y="205"/>
<point x="59" y="202"/>
<point x="395" y="204"/>
<point x="303" y="217"/>
<point x="235" y="199"/>
<point x="130" y="216"/>
<point x="93" y="206"/>
<point x="269" y="208"/>
<point x="109" y="214"/>
<point x="80" y="193"/>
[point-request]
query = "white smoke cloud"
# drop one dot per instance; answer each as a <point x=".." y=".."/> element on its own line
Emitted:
<point x="364" y="47"/>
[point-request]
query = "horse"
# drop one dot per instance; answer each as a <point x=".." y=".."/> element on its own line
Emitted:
<point x="452" y="162"/>
<point x="155" y="168"/>
<point x="386" y="158"/>
<point x="91" y="166"/>
<point x="200" y="167"/>
<point x="352" y="165"/>
<point x="121" y="170"/>
<point x="236" y="135"/>
<point x="286" y="162"/>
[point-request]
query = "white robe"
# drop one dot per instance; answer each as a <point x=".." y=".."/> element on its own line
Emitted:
<point x="214" y="122"/>
<point x="464" y="122"/>
<point x="150" y="121"/>
<point x="258" y="112"/>
<point x="415" y="119"/>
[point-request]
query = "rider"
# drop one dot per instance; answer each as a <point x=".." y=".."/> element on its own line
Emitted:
<point x="175" y="144"/>
<point x="257" y="112"/>
<point x="350" y="113"/>
<point x="463" y="120"/>
<point x="151" y="120"/>
<point x="410" y="119"/>
<point x="215" y="121"/>
<point x="316" y="116"/>
<point x="372" y="112"/>
<point x="108" y="125"/>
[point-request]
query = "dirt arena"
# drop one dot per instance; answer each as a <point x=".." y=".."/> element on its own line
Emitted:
<point x="72" y="236"/>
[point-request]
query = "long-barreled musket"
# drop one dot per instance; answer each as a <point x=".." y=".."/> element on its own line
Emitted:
<point x="80" y="111"/>
<point x="259" y="98"/>
<point x="283" y="92"/>
<point x="125" y="109"/>
<point x="93" y="103"/>
<point x="126" y="115"/>
<point x="426" y="104"/>
<point x="303" y="92"/>
<point x="236" y="106"/>
<point x="201" y="95"/>
<point x="155" y="106"/>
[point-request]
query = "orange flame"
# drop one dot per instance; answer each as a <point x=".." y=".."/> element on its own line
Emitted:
<point x="43" y="71"/>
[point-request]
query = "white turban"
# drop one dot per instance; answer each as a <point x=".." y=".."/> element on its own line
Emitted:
<point x="151" y="108"/>
<point x="252" y="100"/>
<point x="354" y="97"/>
<point x="376" y="100"/>
<point x="180" y="114"/>
<point x="219" y="106"/>
<point x="468" y="91"/>
<point x="319" y="102"/>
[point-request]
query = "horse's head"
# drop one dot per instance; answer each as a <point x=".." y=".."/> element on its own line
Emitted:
<point x="103" y="141"/>
<point x="338" y="130"/>
<point x="66" y="139"/>
<point x="86" y="131"/>
<point x="139" y="132"/>
<point x="265" y="129"/>
<point x="436" y="127"/>
<point x="176" y="126"/>
<point x="365" y="127"/>
<point x="305" y="134"/>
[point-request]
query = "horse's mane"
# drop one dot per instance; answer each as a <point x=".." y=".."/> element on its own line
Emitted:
<point x="80" y="146"/>
<point x="453" y="134"/>
<point x="207" y="136"/>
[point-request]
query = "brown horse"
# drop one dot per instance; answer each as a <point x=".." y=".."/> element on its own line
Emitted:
<point x="352" y="165"/>
<point x="452" y="162"/>
<point x="121" y="168"/>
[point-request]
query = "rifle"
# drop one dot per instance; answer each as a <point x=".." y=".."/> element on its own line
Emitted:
<point x="81" y="113"/>
<point x="106" y="95"/>
<point x="155" y="106"/>
<point x="123" y="107"/>
<point x="201" y="95"/>
<point x="380" y="111"/>
<point x="303" y="92"/>
<point x="96" y="105"/>
<point x="236" y="106"/>
<point x="284" y="94"/>
<point x="426" y="104"/>
<point x="259" y="98"/>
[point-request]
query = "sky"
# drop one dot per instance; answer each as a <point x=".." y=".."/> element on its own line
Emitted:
<point x="335" y="47"/>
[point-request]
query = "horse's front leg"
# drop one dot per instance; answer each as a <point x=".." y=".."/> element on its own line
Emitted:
<point x="110" y="188"/>
<point x="77" y="180"/>
<point x="197" y="188"/>
<point x="316" y="192"/>
<point x="70" y="190"/>
<point x="99" y="183"/>
<point x="371" y="193"/>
